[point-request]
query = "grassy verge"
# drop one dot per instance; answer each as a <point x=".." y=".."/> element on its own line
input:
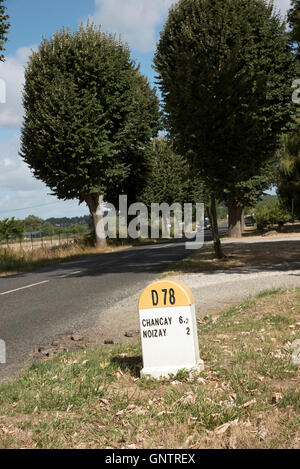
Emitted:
<point x="287" y="229"/>
<point x="247" y="397"/>
<point x="14" y="261"/>
<point x="18" y="260"/>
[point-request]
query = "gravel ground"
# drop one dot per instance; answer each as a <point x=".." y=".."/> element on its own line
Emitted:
<point x="218" y="290"/>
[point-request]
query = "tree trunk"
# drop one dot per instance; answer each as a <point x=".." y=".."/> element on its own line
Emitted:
<point x="215" y="230"/>
<point x="234" y="220"/>
<point x="243" y="225"/>
<point x="95" y="204"/>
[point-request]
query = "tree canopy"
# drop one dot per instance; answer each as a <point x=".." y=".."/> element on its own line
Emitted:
<point x="168" y="178"/>
<point x="289" y="169"/>
<point x="4" y="27"/>
<point x="88" y="115"/>
<point x="33" y="223"/>
<point x="11" y="227"/>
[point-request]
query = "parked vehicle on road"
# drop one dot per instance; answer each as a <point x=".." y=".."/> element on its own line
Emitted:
<point x="207" y="225"/>
<point x="249" y="221"/>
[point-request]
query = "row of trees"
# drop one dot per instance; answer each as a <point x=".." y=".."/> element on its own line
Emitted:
<point x="224" y="69"/>
<point x="32" y="224"/>
<point x="67" y="221"/>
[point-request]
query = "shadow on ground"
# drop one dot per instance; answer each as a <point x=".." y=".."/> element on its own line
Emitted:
<point x="133" y="365"/>
<point x="241" y="258"/>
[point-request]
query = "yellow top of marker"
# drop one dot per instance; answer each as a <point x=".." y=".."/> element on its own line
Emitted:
<point x="165" y="294"/>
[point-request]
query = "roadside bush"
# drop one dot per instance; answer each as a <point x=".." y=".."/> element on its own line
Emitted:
<point x="267" y="215"/>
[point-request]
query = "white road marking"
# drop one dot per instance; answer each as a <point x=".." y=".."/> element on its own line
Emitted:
<point x="23" y="288"/>
<point x="162" y="245"/>
<point x="145" y="251"/>
<point x="70" y="273"/>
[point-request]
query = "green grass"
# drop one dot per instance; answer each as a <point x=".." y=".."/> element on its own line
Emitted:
<point x="96" y="399"/>
<point x="274" y="291"/>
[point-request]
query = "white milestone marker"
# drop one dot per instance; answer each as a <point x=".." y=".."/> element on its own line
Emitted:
<point x="168" y="329"/>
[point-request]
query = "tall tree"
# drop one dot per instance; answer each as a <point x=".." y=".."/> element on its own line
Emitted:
<point x="88" y="115"/>
<point x="225" y="71"/>
<point x="286" y="172"/>
<point x="289" y="174"/>
<point x="33" y="223"/>
<point x="167" y="178"/>
<point x="4" y="27"/>
<point x="289" y="169"/>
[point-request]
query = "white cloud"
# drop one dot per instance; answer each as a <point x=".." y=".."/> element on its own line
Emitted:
<point x="19" y="189"/>
<point x="282" y="5"/>
<point x="135" y="20"/>
<point x="12" y="72"/>
<point x="14" y="173"/>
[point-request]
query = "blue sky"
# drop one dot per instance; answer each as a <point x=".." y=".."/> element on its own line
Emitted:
<point x="137" y="21"/>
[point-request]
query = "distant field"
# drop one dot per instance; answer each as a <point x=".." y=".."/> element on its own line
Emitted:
<point x="37" y="243"/>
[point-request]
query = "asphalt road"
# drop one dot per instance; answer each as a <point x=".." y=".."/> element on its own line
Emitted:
<point x="38" y="306"/>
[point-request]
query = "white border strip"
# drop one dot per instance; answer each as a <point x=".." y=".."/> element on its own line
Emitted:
<point x="22" y="288"/>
